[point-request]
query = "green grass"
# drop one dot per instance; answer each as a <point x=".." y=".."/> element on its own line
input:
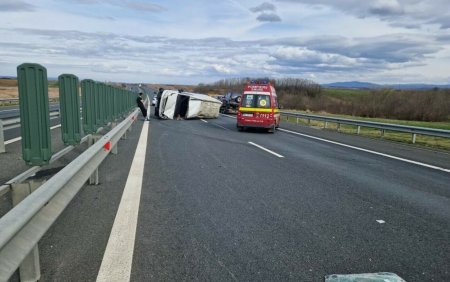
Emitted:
<point x="53" y="84"/>
<point x="421" y="140"/>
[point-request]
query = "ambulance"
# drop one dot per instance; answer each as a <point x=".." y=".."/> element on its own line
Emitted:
<point x="258" y="107"/>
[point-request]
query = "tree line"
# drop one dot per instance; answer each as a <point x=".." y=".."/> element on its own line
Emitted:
<point x="306" y="95"/>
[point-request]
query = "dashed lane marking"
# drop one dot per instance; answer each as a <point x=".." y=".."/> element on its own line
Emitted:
<point x="363" y="150"/>
<point x="265" y="149"/>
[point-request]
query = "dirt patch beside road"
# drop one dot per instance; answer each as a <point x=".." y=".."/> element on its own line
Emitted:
<point x="9" y="89"/>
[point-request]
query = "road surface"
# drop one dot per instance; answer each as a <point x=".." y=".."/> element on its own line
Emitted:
<point x="217" y="204"/>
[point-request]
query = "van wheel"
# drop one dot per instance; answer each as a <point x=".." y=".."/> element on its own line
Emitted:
<point x="272" y="129"/>
<point x="240" y="128"/>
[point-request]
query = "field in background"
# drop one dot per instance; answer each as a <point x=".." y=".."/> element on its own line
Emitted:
<point x="8" y="89"/>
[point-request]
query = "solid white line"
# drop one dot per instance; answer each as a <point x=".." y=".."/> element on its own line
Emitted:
<point x="265" y="149"/>
<point x="380" y="221"/>
<point x="364" y="150"/>
<point x="20" y="138"/>
<point x="12" y="140"/>
<point x="118" y="257"/>
<point x="368" y="151"/>
<point x="203" y="120"/>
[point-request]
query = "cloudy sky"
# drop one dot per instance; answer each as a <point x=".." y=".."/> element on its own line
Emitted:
<point x="201" y="41"/>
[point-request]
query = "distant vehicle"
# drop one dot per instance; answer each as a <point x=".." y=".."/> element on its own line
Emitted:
<point x="230" y="103"/>
<point x="154" y="100"/>
<point x="259" y="107"/>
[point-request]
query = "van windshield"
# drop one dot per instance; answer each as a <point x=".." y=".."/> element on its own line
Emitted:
<point x="256" y="101"/>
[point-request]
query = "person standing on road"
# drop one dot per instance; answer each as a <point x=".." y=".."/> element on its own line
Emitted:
<point x="141" y="106"/>
<point x="158" y="100"/>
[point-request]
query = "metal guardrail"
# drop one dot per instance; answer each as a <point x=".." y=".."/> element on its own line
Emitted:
<point x="33" y="170"/>
<point x="23" y="226"/>
<point x="12" y="122"/>
<point x="414" y="130"/>
<point x="16" y="100"/>
<point x="6" y="124"/>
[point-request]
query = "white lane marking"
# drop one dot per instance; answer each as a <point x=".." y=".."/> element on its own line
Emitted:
<point x="20" y="138"/>
<point x="220" y="126"/>
<point x="228" y="116"/>
<point x="117" y="260"/>
<point x="12" y="140"/>
<point x="9" y="127"/>
<point x="368" y="151"/>
<point x="363" y="150"/>
<point x="4" y="111"/>
<point x="203" y="120"/>
<point x="215" y="124"/>
<point x="380" y="221"/>
<point x="265" y="149"/>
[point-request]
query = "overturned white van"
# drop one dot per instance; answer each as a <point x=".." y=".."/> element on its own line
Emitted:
<point x="186" y="105"/>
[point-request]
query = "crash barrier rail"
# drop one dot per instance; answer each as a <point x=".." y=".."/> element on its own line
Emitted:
<point x="414" y="130"/>
<point x="35" y="169"/>
<point x="33" y="213"/>
<point x="23" y="226"/>
<point x="11" y="123"/>
<point x="15" y="101"/>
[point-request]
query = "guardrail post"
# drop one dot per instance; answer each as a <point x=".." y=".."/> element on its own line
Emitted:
<point x="297" y="120"/>
<point x="359" y="130"/>
<point x="382" y="133"/>
<point x="309" y="122"/>
<point x="114" y="150"/>
<point x="34" y="114"/>
<point x="325" y="125"/>
<point x="93" y="179"/>
<point x="2" y="138"/>
<point x="29" y="269"/>
<point x="338" y="127"/>
<point x="414" y="138"/>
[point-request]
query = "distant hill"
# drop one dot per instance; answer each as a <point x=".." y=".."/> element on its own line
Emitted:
<point x="368" y="85"/>
<point x="352" y="84"/>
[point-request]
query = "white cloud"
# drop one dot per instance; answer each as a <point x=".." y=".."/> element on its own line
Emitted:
<point x="201" y="42"/>
<point x="15" y="6"/>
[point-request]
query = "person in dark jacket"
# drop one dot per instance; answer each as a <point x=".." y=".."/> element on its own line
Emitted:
<point x="141" y="106"/>
<point x="158" y="100"/>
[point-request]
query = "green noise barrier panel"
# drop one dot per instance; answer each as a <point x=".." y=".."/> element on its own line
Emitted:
<point x="34" y="114"/>
<point x="87" y="95"/>
<point x="69" y="97"/>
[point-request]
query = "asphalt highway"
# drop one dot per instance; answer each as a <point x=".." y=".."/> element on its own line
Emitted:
<point x="13" y="111"/>
<point x="216" y="204"/>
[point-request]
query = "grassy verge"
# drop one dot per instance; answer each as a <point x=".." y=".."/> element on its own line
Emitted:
<point x="421" y="140"/>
